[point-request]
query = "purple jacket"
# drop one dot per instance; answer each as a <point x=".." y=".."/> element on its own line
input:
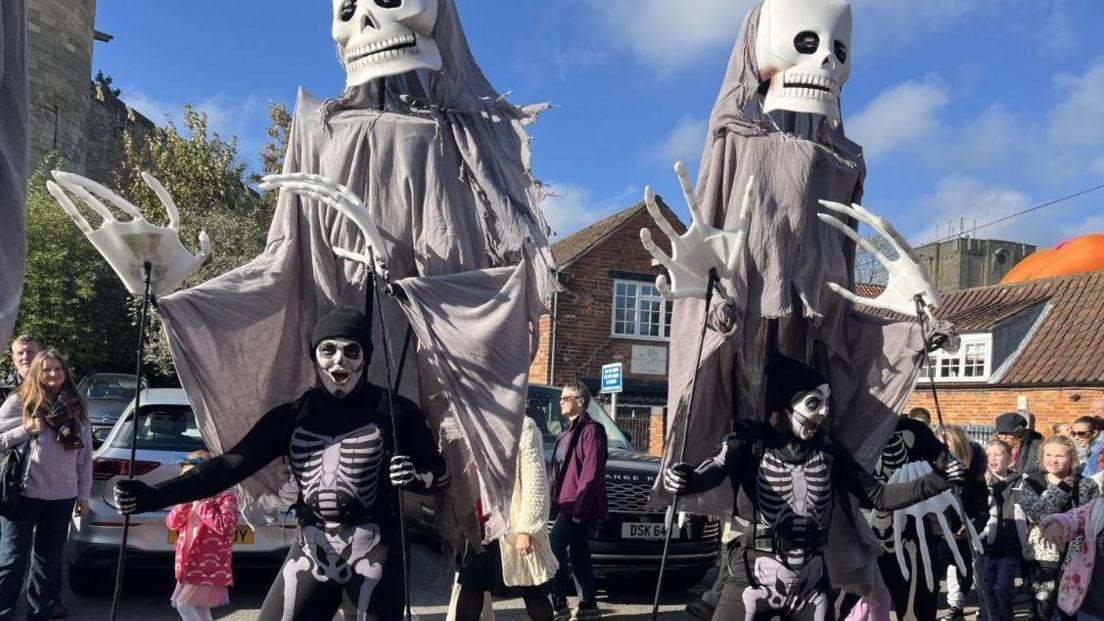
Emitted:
<point x="579" y="488"/>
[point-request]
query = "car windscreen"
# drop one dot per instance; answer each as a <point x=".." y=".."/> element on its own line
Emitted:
<point x="543" y="406"/>
<point x="161" y="428"/>
<point x="112" y="387"/>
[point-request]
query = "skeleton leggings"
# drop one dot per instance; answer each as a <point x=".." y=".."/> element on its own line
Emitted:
<point x="745" y="599"/>
<point x="329" y="563"/>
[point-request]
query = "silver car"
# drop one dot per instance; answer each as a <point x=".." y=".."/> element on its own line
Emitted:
<point x="167" y="432"/>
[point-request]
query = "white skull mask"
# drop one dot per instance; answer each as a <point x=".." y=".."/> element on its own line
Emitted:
<point x="804" y="50"/>
<point x="340" y="364"/>
<point x="379" y="38"/>
<point x="808" y="410"/>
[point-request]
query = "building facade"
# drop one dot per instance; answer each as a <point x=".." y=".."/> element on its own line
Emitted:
<point x="610" y="311"/>
<point x="965" y="262"/>
<point x="81" y="122"/>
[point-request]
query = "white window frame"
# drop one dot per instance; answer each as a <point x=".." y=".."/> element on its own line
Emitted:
<point x="956" y="362"/>
<point x="665" y="315"/>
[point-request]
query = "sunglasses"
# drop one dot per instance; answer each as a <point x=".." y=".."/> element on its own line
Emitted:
<point x="1082" y="434"/>
<point x="566" y="399"/>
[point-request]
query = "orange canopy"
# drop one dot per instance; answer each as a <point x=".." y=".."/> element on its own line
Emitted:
<point x="1077" y="256"/>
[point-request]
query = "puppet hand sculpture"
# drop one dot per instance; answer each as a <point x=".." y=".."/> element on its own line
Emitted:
<point x="127" y="246"/>
<point x="906" y="278"/>
<point x="936" y="506"/>
<point x="334" y="195"/>
<point x="700" y="249"/>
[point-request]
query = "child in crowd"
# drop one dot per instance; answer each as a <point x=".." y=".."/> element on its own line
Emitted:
<point x="1081" y="592"/>
<point x="203" y="546"/>
<point x="1004" y="532"/>
<point x="1058" y="487"/>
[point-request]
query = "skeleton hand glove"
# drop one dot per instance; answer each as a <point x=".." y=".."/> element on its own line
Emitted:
<point x="134" y="496"/>
<point x="954" y="470"/>
<point x="676" y="478"/>
<point x="404" y="475"/>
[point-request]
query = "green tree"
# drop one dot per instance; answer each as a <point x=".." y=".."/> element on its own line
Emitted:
<point x="279" y="132"/>
<point x="205" y="177"/>
<point x="72" y="299"/>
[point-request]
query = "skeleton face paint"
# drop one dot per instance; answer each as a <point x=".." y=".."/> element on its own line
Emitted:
<point x="808" y="410"/>
<point x="340" y="364"/>
<point x="378" y="38"/>
<point x="804" y="49"/>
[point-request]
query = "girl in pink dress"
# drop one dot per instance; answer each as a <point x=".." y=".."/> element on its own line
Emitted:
<point x="203" y="548"/>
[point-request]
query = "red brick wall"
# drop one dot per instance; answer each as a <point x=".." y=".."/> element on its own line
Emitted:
<point x="983" y="404"/>
<point x="583" y="341"/>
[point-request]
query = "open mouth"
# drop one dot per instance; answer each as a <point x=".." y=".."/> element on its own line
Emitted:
<point x="384" y="50"/>
<point x="339" y="376"/>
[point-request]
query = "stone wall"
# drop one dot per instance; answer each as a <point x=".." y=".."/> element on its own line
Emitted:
<point x="109" y="118"/>
<point x="59" y="64"/>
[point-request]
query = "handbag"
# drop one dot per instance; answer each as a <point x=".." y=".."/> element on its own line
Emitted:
<point x="13" y="467"/>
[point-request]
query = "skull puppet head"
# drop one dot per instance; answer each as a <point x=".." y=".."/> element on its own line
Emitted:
<point x="804" y="51"/>
<point x="799" y="394"/>
<point x="380" y="38"/>
<point x="341" y="346"/>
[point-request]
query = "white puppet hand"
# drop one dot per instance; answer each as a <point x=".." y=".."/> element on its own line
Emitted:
<point x="127" y="245"/>
<point x="332" y="194"/>
<point x="700" y="249"/>
<point x="907" y="278"/>
<point x="935" y="506"/>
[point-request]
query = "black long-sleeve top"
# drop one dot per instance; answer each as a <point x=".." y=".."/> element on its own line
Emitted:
<point x="738" y="456"/>
<point x="319" y="412"/>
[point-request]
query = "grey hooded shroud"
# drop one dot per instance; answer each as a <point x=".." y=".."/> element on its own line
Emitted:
<point x="444" y="172"/>
<point x="872" y="362"/>
<point x="14" y="104"/>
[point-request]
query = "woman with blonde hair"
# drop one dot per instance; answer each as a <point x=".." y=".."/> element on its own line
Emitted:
<point x="975" y="501"/>
<point x="47" y="419"/>
<point x="1057" y="487"/>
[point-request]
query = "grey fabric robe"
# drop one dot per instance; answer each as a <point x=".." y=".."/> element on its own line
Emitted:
<point x="872" y="362"/>
<point x="14" y="120"/>
<point x="444" y="172"/>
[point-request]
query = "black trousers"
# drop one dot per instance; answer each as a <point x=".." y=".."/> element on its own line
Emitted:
<point x="924" y="605"/>
<point x="730" y="605"/>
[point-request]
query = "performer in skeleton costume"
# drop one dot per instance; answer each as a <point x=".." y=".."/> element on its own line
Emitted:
<point x="337" y="439"/>
<point x="787" y="476"/>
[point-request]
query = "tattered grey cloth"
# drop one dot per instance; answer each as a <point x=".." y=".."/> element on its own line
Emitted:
<point x="483" y="368"/>
<point x="447" y="182"/>
<point x="14" y="106"/>
<point x="872" y="362"/>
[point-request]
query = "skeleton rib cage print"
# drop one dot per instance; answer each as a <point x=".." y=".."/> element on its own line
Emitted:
<point x="338" y="477"/>
<point x="794" y="502"/>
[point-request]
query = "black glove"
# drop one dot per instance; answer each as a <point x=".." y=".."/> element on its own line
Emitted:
<point x="676" y="478"/>
<point x="134" y="496"/>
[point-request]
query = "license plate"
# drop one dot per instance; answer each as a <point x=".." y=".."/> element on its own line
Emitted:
<point x="243" y="536"/>
<point x="636" y="530"/>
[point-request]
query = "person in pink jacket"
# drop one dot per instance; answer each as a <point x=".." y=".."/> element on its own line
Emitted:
<point x="1081" y="591"/>
<point x="203" y="548"/>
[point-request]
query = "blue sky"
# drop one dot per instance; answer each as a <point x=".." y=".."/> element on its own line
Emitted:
<point x="969" y="109"/>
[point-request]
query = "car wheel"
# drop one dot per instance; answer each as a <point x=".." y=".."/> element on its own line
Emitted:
<point x="84" y="581"/>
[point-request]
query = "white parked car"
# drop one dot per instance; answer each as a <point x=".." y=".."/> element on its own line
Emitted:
<point x="167" y="432"/>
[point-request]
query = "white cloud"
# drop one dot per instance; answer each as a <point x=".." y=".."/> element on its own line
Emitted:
<point x="898" y="117"/>
<point x="669" y="35"/>
<point x="959" y="200"/>
<point x="683" y="144"/>
<point x="1079" y="119"/>
<point x="571" y="207"/>
<point x="243" y="117"/>
<point x="1098" y="167"/>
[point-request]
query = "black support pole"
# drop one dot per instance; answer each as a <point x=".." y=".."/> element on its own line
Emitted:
<point x="120" y="567"/>
<point x="673" y="509"/>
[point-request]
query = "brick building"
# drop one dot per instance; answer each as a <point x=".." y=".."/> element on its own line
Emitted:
<point x="610" y="311"/>
<point x="1036" y="346"/>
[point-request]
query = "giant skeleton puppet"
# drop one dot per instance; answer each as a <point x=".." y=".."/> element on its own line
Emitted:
<point x="15" y="103"/>
<point x="776" y="140"/>
<point x="417" y="175"/>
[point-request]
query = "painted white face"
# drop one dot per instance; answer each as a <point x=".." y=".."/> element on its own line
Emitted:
<point x="804" y="50"/>
<point x="340" y="364"/>
<point x="808" y="411"/>
<point x="378" y="38"/>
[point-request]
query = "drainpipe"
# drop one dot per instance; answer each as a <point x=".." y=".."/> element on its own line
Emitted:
<point x="552" y="344"/>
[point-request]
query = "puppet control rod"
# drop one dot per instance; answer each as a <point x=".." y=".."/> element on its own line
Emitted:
<point x="147" y="268"/>
<point x="922" y="319"/>
<point x="670" y="517"/>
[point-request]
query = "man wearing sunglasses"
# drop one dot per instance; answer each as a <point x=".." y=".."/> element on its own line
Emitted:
<point x="579" y="500"/>
<point x="1012" y="428"/>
